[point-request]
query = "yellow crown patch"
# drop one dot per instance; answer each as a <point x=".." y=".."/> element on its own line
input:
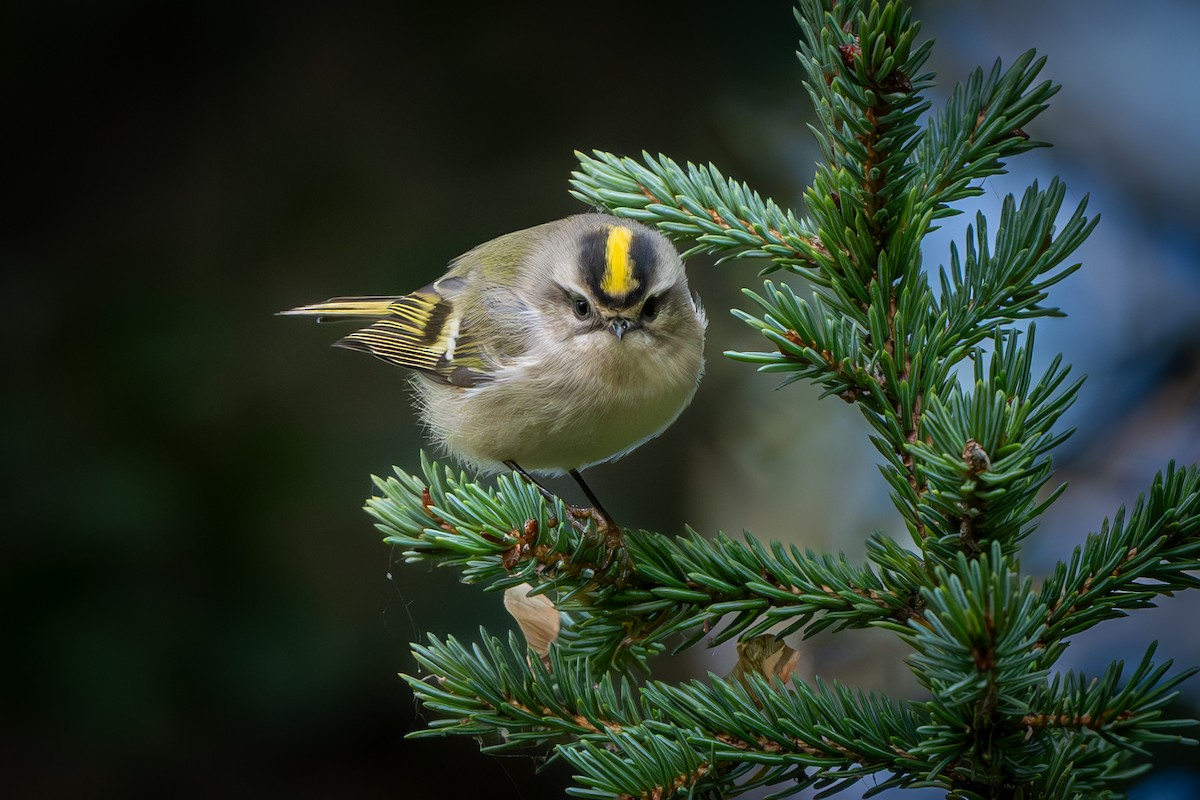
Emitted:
<point x="618" y="279"/>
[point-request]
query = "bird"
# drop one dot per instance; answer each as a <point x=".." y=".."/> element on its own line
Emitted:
<point x="546" y="350"/>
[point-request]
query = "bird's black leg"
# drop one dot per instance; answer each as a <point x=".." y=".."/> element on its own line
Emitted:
<point x="613" y="540"/>
<point x="515" y="467"/>
<point x="591" y="496"/>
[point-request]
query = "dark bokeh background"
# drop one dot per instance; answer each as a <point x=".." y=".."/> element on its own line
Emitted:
<point x="194" y="603"/>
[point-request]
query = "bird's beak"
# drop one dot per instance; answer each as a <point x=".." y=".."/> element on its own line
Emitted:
<point x="619" y="326"/>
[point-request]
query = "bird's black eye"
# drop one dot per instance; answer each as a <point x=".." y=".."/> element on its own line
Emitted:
<point x="650" y="307"/>
<point x="581" y="307"/>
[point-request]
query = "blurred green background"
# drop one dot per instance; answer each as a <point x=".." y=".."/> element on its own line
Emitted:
<point x="194" y="603"/>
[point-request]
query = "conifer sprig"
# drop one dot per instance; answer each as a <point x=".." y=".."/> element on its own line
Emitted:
<point x="696" y="204"/>
<point x="1154" y="551"/>
<point x="700" y="588"/>
<point x="981" y="124"/>
<point x="965" y="452"/>
<point x="713" y="735"/>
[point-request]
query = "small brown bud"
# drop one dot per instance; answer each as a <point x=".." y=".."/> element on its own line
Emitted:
<point x="976" y="458"/>
<point x="849" y="52"/>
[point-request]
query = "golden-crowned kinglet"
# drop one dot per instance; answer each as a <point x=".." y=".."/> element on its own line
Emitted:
<point x="551" y="348"/>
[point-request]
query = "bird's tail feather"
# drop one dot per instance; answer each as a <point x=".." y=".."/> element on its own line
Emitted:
<point x="343" y="309"/>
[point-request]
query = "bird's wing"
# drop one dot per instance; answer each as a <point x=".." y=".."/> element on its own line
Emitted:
<point x="445" y="330"/>
<point x="425" y="331"/>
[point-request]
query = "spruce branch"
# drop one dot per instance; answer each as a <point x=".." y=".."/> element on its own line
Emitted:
<point x="1008" y="284"/>
<point x="1155" y="551"/>
<point x="700" y="735"/>
<point x="717" y="215"/>
<point x="1127" y="714"/>
<point x="692" y="586"/>
<point x="976" y="656"/>
<point x="506" y="536"/>
<point x="965" y="452"/>
<point x="760" y="588"/>
<point x="994" y="710"/>
<point x="986" y="455"/>
<point x="981" y="124"/>
<point x="867" y="92"/>
<point x="1099" y="729"/>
